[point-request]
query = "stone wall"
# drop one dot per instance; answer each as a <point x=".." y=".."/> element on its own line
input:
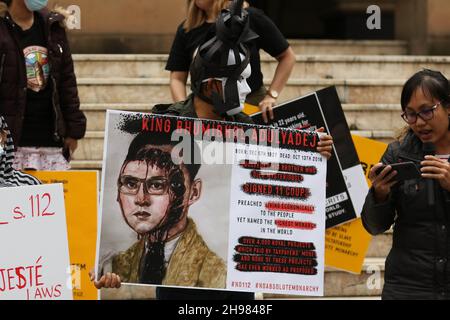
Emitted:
<point x="148" y="26"/>
<point x="125" y="26"/>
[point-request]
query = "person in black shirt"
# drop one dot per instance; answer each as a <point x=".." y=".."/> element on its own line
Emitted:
<point x="219" y="76"/>
<point x="37" y="127"/>
<point x="201" y="17"/>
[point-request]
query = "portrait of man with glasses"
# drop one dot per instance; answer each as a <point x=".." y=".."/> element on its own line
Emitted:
<point x="154" y="195"/>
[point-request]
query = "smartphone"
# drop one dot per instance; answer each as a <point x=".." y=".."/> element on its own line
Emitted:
<point x="405" y="171"/>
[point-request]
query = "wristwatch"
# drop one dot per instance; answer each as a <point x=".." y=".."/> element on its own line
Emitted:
<point x="273" y="93"/>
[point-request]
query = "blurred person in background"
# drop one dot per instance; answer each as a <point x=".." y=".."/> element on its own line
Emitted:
<point x="201" y="17"/>
<point x="38" y="89"/>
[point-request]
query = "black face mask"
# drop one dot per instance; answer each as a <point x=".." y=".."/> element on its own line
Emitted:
<point x="227" y="102"/>
<point x="232" y="31"/>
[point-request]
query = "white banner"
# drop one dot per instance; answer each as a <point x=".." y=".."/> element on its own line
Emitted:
<point x="34" y="251"/>
<point x="246" y="214"/>
<point x="276" y="241"/>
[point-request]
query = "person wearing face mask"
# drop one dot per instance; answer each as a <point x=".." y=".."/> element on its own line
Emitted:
<point x="9" y="177"/>
<point x="417" y="266"/>
<point x="201" y="18"/>
<point x="38" y="89"/>
<point x="219" y="74"/>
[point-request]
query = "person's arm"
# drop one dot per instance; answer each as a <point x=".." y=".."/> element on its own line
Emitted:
<point x="379" y="212"/>
<point x="178" y="81"/>
<point x="437" y="169"/>
<point x="272" y="41"/>
<point x="286" y="62"/>
<point x="178" y="64"/>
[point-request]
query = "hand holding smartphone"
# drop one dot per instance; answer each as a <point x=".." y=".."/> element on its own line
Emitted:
<point x="405" y="171"/>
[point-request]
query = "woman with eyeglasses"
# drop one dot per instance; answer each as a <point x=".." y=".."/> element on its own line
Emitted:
<point x="417" y="266"/>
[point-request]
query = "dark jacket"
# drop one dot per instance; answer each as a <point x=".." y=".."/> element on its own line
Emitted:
<point x="69" y="120"/>
<point x="417" y="266"/>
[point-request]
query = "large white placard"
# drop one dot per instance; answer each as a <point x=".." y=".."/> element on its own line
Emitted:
<point x="34" y="251"/>
<point x="250" y="217"/>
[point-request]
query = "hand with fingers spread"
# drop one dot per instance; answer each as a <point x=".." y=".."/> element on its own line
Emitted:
<point x="108" y="280"/>
<point x="325" y="145"/>
<point x="438" y="169"/>
<point x="266" y="106"/>
<point x="382" y="183"/>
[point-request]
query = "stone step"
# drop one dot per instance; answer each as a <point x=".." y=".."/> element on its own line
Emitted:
<point x="96" y="112"/>
<point x="134" y="90"/>
<point x="338" y="284"/>
<point x="359" y="116"/>
<point x="362" y="47"/>
<point x="307" y="66"/>
<point x="343" y="284"/>
<point x="373" y="116"/>
<point x="91" y="147"/>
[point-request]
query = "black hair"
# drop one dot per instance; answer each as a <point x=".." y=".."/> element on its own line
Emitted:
<point x="433" y="84"/>
<point x="143" y="142"/>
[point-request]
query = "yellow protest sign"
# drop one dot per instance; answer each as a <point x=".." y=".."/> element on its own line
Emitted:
<point x="346" y="245"/>
<point x="369" y="152"/>
<point x="81" y="198"/>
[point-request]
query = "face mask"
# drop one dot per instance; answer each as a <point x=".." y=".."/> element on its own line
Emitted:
<point x="36" y="5"/>
<point x="242" y="85"/>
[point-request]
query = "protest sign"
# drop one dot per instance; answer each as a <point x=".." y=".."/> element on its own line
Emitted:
<point x="212" y="204"/>
<point x="346" y="187"/>
<point x="346" y="245"/>
<point x="34" y="255"/>
<point x="81" y="199"/>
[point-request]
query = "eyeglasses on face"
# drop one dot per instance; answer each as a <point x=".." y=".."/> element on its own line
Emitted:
<point x="410" y="117"/>
<point x="130" y="185"/>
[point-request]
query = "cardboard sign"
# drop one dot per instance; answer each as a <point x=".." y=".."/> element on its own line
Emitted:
<point x="346" y="245"/>
<point x="81" y="199"/>
<point x="244" y="210"/>
<point x="34" y="253"/>
<point x="346" y="186"/>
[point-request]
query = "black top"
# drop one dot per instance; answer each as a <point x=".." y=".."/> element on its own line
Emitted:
<point x="270" y="40"/>
<point x="38" y="126"/>
<point x="416" y="266"/>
